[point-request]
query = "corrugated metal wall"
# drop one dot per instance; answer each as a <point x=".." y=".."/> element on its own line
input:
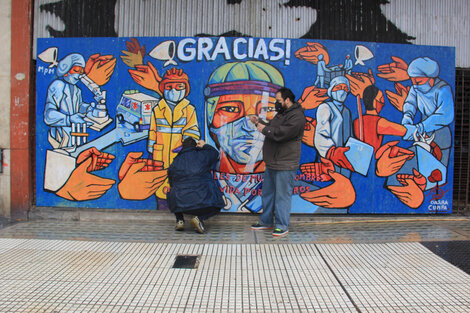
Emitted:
<point x="431" y="22"/>
<point x="258" y="18"/>
<point x="434" y="22"/>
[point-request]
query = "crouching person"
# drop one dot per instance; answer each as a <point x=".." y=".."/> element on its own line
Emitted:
<point x="193" y="190"/>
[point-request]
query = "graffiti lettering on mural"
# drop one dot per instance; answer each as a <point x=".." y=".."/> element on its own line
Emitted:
<point x="190" y="49"/>
<point x="378" y="136"/>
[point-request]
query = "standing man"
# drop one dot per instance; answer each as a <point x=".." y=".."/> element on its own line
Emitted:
<point x="281" y="153"/>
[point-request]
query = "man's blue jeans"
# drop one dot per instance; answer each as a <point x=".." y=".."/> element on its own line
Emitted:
<point x="276" y="197"/>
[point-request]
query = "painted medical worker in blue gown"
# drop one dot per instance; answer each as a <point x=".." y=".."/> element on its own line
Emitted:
<point x="433" y="98"/>
<point x="64" y="103"/>
<point x="321" y="70"/>
<point x="334" y="126"/>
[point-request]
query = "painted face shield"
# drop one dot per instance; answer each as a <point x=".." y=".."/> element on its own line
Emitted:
<point x="236" y="135"/>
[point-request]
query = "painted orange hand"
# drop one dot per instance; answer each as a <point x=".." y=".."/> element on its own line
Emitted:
<point x="309" y="131"/>
<point x="100" y="68"/>
<point x="131" y="158"/>
<point x="390" y="158"/>
<point x="359" y="81"/>
<point x="398" y="99"/>
<point x="138" y="183"/>
<point x="82" y="185"/>
<point x="410" y="193"/>
<point x="312" y="97"/>
<point x="318" y="171"/>
<point x="147" y="76"/>
<point x="340" y="194"/>
<point x="100" y="159"/>
<point x="395" y="71"/>
<point x="417" y="177"/>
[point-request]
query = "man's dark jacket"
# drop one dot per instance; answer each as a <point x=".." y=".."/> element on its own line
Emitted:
<point x="283" y="139"/>
<point x="191" y="181"/>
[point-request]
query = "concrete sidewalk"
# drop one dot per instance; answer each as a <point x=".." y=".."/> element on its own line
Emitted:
<point x="325" y="264"/>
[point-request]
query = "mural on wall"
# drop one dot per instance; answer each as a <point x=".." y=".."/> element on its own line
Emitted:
<point x="112" y="113"/>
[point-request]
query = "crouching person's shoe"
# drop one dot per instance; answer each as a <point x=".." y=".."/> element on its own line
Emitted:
<point x="179" y="225"/>
<point x="198" y="225"/>
<point x="279" y="232"/>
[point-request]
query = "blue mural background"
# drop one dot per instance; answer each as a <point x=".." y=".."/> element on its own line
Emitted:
<point x="371" y="196"/>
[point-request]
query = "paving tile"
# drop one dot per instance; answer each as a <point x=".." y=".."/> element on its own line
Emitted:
<point x="47" y="266"/>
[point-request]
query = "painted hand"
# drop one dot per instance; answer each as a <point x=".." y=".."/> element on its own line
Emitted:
<point x="318" y="171"/>
<point x="312" y="97"/>
<point x="82" y="185"/>
<point x="417" y="177"/>
<point x="147" y="76"/>
<point x="395" y="71"/>
<point x="338" y="157"/>
<point x="309" y="132"/>
<point x="391" y="158"/>
<point x="340" y="194"/>
<point x="359" y="81"/>
<point x="140" y="178"/>
<point x="398" y="99"/>
<point x="99" y="68"/>
<point x="411" y="191"/>
<point x="99" y="159"/>
<point x="134" y="55"/>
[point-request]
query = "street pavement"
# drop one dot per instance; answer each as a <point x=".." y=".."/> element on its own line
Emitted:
<point x="99" y="261"/>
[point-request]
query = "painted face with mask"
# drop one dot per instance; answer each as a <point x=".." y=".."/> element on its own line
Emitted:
<point x="422" y="84"/>
<point x="71" y="68"/>
<point x="232" y="129"/>
<point x="174" y="92"/>
<point x="339" y="89"/>
<point x="339" y="92"/>
<point x="73" y="76"/>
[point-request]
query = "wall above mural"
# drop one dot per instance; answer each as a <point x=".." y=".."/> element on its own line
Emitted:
<point x="112" y="113"/>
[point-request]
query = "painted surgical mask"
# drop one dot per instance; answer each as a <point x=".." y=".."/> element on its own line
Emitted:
<point x="72" y="78"/>
<point x="424" y="88"/>
<point x="174" y="95"/>
<point x="240" y="141"/>
<point x="339" y="95"/>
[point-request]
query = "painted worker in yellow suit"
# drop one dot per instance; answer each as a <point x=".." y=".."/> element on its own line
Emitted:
<point x="173" y="119"/>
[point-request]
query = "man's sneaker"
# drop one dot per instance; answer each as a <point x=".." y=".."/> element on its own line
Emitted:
<point x="179" y="225"/>
<point x="198" y="225"/>
<point x="258" y="226"/>
<point x="279" y="232"/>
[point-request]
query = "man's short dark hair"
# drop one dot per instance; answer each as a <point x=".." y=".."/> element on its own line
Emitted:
<point x="369" y="95"/>
<point x="189" y="142"/>
<point x="287" y="93"/>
